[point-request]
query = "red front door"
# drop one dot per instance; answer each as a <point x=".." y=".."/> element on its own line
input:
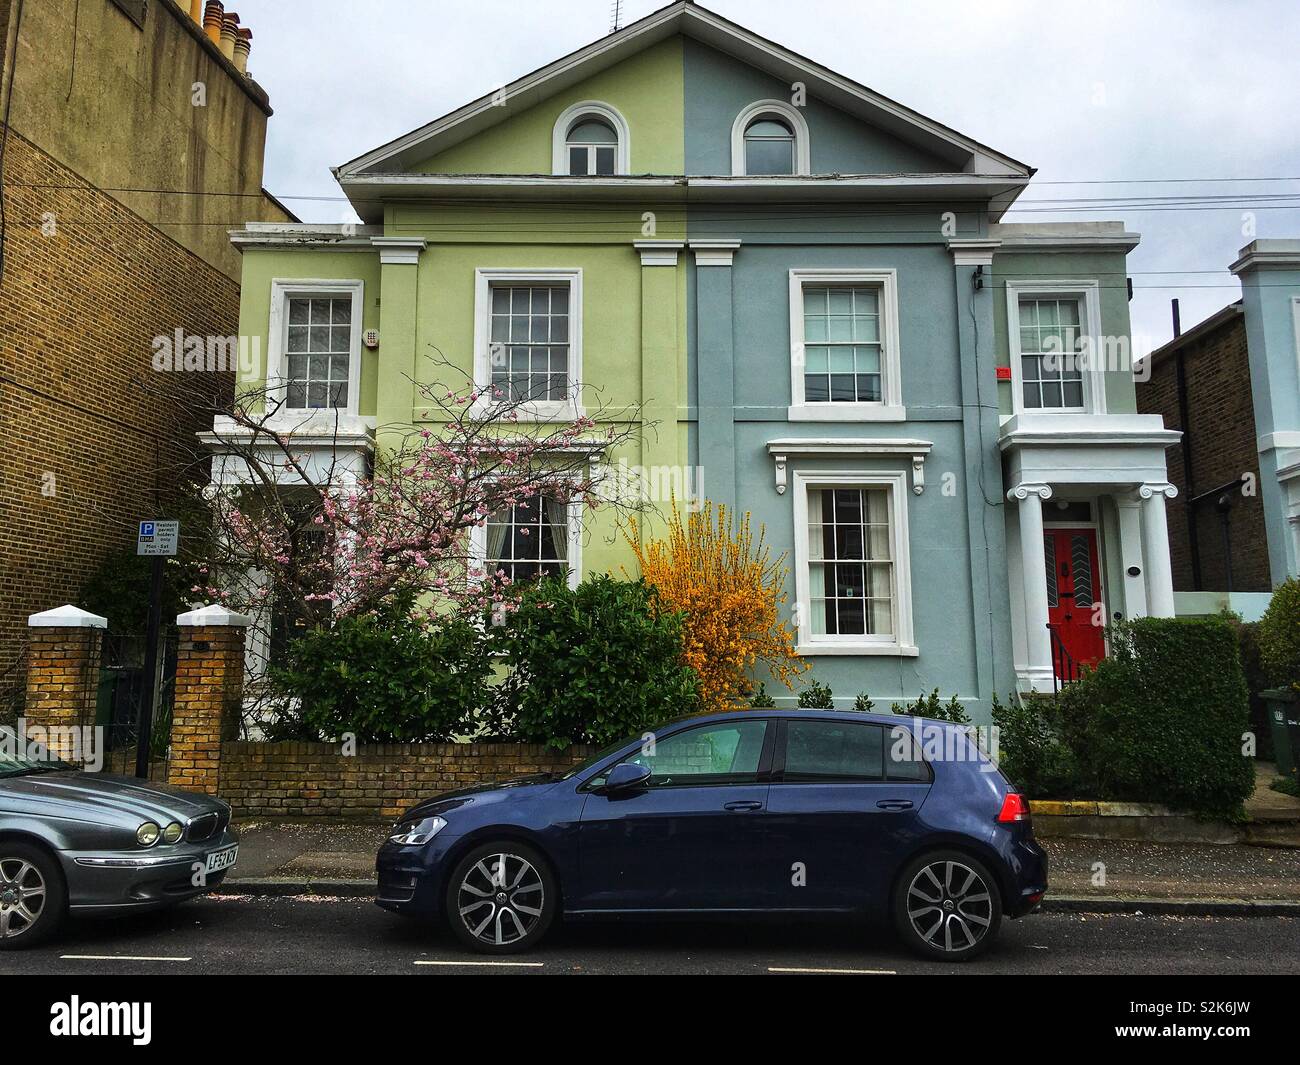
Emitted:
<point x="1074" y="598"/>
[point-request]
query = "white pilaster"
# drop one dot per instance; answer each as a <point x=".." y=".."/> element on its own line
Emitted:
<point x="1038" y="672"/>
<point x="1130" y="550"/>
<point x="1155" y="546"/>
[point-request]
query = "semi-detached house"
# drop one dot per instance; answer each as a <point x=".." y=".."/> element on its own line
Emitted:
<point x="807" y="288"/>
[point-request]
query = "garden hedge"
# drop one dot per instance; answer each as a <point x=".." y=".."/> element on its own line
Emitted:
<point x="1164" y="718"/>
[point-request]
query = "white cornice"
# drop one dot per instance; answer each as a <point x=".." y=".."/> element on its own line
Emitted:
<point x="972" y="251"/>
<point x="714" y="252"/>
<point x="1279" y="253"/>
<point x="400" y="251"/>
<point x="368" y="192"/>
<point x="1052" y="430"/>
<point x="821" y="447"/>
<point x="658" y="252"/>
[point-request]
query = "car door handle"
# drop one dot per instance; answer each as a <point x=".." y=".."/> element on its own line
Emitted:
<point x="747" y="804"/>
<point x="895" y="804"/>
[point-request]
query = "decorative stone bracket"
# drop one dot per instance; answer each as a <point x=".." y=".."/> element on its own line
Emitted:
<point x="784" y="450"/>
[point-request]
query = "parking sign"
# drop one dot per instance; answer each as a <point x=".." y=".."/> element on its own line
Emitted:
<point x="158" y="538"/>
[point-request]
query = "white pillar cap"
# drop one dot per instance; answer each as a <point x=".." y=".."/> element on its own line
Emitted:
<point x="66" y="617"/>
<point x="216" y="614"/>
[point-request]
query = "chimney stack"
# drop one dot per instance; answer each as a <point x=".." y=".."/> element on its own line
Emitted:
<point x="213" y="15"/>
<point x="243" y="45"/>
<point x="196" y="11"/>
<point x="229" y="34"/>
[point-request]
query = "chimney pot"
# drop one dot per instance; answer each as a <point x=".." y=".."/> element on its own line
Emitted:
<point x="229" y="33"/>
<point x="213" y="15"/>
<point x="243" y="45"/>
<point x="196" y="11"/>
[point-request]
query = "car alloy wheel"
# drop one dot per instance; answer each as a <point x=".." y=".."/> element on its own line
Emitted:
<point x="501" y="899"/>
<point x="22" y="896"/>
<point x="950" y="906"/>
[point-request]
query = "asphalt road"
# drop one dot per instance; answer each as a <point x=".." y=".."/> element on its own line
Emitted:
<point x="240" y="934"/>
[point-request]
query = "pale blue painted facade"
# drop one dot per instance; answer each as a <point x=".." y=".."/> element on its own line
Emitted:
<point x="1269" y="271"/>
<point x="969" y="633"/>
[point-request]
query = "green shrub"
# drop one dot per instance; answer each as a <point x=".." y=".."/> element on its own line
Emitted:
<point x="1287" y="786"/>
<point x="1161" y="719"/>
<point x="817" y="697"/>
<point x="1278" y="632"/>
<point x="1256" y="681"/>
<point x="931" y="706"/>
<point x="386" y="677"/>
<point x="591" y="664"/>
<point x="1029" y="751"/>
<point x="863" y="703"/>
<point x="760" y="700"/>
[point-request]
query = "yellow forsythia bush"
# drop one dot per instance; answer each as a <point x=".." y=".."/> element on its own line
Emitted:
<point x="730" y="590"/>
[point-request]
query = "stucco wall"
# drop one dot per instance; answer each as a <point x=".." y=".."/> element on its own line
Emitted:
<point x="647" y="91"/>
<point x="114" y="103"/>
<point x="719" y="87"/>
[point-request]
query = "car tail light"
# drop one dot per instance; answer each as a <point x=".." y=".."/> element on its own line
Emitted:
<point x="1015" y="807"/>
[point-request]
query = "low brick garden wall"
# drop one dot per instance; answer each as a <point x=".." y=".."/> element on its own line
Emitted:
<point x="318" y="780"/>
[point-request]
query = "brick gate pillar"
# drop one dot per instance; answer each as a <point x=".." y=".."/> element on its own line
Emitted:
<point x="64" y="649"/>
<point x="209" y="687"/>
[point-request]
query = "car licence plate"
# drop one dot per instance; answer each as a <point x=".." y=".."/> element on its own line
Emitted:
<point x="222" y="859"/>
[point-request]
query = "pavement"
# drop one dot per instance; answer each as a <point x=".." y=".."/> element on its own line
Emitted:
<point x="325" y="935"/>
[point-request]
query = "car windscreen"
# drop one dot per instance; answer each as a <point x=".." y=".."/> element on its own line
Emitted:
<point x="12" y="767"/>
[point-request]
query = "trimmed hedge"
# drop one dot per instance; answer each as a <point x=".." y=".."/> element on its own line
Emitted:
<point x="1163" y="718"/>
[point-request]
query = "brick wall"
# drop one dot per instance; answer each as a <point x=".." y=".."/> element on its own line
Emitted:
<point x="1221" y="431"/>
<point x="84" y="451"/>
<point x="205" y="707"/>
<point x="317" y="780"/>
<point x="62" y="680"/>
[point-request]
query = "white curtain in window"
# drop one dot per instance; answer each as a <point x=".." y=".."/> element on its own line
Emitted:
<point x="556" y="514"/>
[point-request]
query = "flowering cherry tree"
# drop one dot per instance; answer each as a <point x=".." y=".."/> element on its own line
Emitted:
<point x="326" y="543"/>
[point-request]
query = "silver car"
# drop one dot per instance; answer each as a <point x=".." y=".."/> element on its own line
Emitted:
<point x="89" y="845"/>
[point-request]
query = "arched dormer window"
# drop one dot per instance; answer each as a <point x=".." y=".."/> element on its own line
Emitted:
<point x="770" y="138"/>
<point x="591" y="148"/>
<point x="590" y="139"/>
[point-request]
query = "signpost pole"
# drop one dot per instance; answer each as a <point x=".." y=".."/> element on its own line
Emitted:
<point x="144" y="733"/>
<point x="157" y="540"/>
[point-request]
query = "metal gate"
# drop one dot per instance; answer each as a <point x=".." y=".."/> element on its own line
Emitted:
<point x="122" y="687"/>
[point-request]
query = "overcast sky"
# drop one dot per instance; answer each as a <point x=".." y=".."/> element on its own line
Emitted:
<point x="1094" y="91"/>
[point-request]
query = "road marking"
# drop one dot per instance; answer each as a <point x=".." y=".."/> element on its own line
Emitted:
<point x="500" y="964"/>
<point x="836" y="972"/>
<point x="117" y="957"/>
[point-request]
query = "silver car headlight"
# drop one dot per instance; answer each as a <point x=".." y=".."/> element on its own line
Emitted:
<point x="147" y="834"/>
<point x="173" y="832"/>
<point x="414" y="833"/>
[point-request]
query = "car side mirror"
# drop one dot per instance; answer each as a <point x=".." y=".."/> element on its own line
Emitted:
<point x="626" y="777"/>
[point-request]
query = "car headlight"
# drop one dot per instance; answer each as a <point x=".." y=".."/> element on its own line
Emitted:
<point x="147" y="834"/>
<point x="173" y="832"/>
<point x="413" y="833"/>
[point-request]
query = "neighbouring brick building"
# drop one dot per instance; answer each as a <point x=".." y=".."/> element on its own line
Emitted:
<point x="1232" y="386"/>
<point x="132" y="140"/>
<point x="1200" y="384"/>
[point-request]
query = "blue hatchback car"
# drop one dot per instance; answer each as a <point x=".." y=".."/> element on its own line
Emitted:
<point x="796" y="812"/>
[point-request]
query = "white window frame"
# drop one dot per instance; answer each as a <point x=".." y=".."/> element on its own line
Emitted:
<point x="788" y="114"/>
<point x="890" y="408"/>
<point x="902" y="642"/>
<point x="478" y="545"/>
<point x="282" y="290"/>
<point x="589" y="109"/>
<point x="539" y="410"/>
<point x="1088" y="293"/>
